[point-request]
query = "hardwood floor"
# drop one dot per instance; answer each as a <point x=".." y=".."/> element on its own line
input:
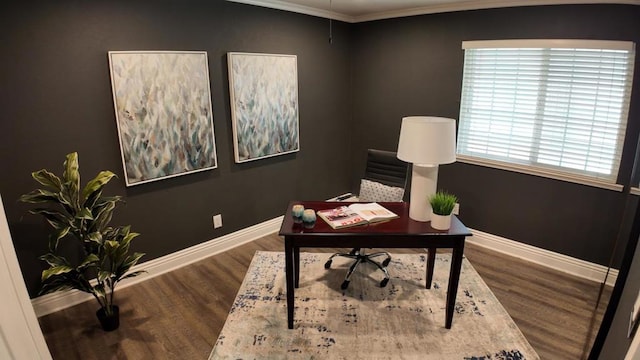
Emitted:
<point x="178" y="315"/>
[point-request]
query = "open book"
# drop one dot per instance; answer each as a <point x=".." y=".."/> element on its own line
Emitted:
<point x="355" y="214"/>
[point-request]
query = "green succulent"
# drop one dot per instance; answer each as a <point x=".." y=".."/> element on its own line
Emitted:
<point x="84" y="215"/>
<point x="442" y="203"/>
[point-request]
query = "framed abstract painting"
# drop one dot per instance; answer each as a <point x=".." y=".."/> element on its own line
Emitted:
<point x="263" y="90"/>
<point x="162" y="102"/>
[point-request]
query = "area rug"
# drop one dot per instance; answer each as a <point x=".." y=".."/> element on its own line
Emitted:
<point x="403" y="320"/>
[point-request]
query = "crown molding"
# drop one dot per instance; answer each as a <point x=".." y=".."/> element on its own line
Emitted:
<point x="301" y="9"/>
<point x="431" y="9"/>
<point x="478" y="5"/>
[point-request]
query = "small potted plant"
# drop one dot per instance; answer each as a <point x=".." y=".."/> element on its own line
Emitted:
<point x="83" y="214"/>
<point x="442" y="204"/>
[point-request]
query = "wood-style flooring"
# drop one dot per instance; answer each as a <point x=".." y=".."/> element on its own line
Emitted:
<point x="178" y="315"/>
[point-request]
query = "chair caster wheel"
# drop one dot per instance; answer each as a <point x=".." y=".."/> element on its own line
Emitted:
<point x="384" y="282"/>
<point x="345" y="285"/>
<point x="386" y="262"/>
<point x="327" y="265"/>
<point x="353" y="251"/>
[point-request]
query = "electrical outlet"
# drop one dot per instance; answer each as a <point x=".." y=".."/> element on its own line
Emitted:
<point x="456" y="209"/>
<point x="217" y="221"/>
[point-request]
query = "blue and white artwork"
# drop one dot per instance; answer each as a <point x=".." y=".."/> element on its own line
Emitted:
<point x="163" y="111"/>
<point x="264" y="105"/>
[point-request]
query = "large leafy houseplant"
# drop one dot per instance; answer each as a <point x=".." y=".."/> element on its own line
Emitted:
<point x="84" y="215"/>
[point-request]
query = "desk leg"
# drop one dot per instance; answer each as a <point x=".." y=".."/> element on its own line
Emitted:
<point x="296" y="264"/>
<point x="431" y="261"/>
<point x="289" y="272"/>
<point x="454" y="278"/>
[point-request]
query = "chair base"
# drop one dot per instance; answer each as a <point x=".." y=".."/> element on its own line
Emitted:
<point x="360" y="256"/>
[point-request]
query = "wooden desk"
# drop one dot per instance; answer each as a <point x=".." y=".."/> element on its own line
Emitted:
<point x="397" y="233"/>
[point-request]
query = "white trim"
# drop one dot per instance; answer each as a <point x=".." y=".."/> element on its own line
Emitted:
<point x="49" y="303"/>
<point x="634" y="191"/>
<point x="239" y="65"/>
<point x="634" y="349"/>
<point x="550" y="259"/>
<point x="477" y="5"/>
<point x="20" y="333"/>
<point x="56" y="301"/>
<point x="431" y="9"/>
<point x="117" y="98"/>
<point x="301" y="9"/>
<point x="550" y="43"/>
<point x="582" y="180"/>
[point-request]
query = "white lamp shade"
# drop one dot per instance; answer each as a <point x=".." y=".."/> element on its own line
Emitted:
<point x="427" y="140"/>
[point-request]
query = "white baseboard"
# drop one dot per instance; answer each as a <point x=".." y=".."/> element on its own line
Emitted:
<point x="60" y="300"/>
<point x="53" y="302"/>
<point x="556" y="261"/>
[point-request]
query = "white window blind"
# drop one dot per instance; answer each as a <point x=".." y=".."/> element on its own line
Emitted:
<point x="554" y="107"/>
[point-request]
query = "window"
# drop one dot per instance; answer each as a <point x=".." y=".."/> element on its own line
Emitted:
<point x="555" y="108"/>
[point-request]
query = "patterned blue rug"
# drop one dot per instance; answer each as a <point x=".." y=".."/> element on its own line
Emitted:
<point x="401" y="321"/>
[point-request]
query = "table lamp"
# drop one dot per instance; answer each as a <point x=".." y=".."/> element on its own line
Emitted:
<point x="426" y="142"/>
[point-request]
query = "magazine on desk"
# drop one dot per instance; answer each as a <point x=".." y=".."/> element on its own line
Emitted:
<point x="356" y="214"/>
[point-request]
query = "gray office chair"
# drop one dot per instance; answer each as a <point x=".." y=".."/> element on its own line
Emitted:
<point x="385" y="179"/>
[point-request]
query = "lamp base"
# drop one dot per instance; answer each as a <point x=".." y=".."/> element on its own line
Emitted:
<point x="424" y="180"/>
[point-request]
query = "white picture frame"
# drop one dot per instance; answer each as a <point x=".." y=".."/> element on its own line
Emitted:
<point x="263" y="90"/>
<point x="162" y="102"/>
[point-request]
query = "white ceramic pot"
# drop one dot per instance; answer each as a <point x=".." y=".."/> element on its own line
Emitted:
<point x="440" y="222"/>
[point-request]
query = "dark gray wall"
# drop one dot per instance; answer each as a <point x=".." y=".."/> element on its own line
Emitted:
<point x="56" y="98"/>
<point x="413" y="66"/>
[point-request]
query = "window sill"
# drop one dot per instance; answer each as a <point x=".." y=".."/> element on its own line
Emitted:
<point x="547" y="174"/>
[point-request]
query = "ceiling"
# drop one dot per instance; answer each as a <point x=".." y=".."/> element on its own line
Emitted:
<point x="366" y="10"/>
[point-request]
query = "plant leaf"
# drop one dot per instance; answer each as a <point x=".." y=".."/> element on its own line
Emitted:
<point x="133" y="274"/>
<point x="130" y="236"/>
<point x="72" y="279"/>
<point x="127" y="264"/>
<point x="71" y="178"/>
<point x="54" y="260"/>
<point x="56" y="219"/>
<point x="96" y="184"/>
<point x="103" y="275"/>
<point x="85" y="214"/>
<point x="125" y="242"/>
<point x="103" y="216"/>
<point x="48" y="179"/>
<point x="55" y="270"/>
<point x="54" y="238"/>
<point x="39" y="196"/>
<point x="79" y="282"/>
<point x="90" y="259"/>
<point x="64" y="281"/>
<point x="91" y="201"/>
<point x="99" y="290"/>
<point x="57" y="285"/>
<point x="95" y="237"/>
<point x="110" y="246"/>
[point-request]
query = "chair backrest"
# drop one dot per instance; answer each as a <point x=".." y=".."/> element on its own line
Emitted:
<point x="385" y="168"/>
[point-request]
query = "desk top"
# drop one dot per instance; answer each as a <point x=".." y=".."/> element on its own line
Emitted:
<point x="399" y="226"/>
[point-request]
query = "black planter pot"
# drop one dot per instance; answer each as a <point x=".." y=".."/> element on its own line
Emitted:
<point x="109" y="322"/>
